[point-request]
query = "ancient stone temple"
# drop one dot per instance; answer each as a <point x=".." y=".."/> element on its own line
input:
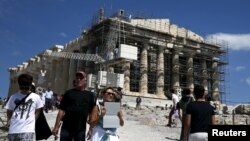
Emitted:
<point x="145" y="56"/>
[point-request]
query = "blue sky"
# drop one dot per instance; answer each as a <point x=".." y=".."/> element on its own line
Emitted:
<point x="28" y="27"/>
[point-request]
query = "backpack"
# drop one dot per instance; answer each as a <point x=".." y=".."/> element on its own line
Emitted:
<point x="182" y="104"/>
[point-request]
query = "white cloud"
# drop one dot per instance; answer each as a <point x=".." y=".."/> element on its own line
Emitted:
<point x="248" y="80"/>
<point x="63" y="34"/>
<point x="235" y="41"/>
<point x="239" y="68"/>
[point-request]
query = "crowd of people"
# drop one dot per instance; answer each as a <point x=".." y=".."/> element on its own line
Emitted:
<point x="79" y="106"/>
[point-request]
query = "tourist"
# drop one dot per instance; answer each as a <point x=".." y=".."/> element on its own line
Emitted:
<point x="74" y="109"/>
<point x="120" y="92"/>
<point x="175" y="100"/>
<point x="197" y="121"/>
<point x="182" y="105"/>
<point x="138" y="103"/>
<point x="23" y="108"/>
<point x="48" y="100"/>
<point x="97" y="132"/>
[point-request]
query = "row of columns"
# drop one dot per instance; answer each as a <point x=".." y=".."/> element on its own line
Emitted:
<point x="60" y="77"/>
<point x="143" y="84"/>
<point x="60" y="74"/>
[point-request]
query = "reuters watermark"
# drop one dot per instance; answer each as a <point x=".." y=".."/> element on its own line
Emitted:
<point x="217" y="132"/>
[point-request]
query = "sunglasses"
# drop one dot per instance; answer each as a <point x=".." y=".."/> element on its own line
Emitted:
<point x="109" y="93"/>
<point x="80" y="77"/>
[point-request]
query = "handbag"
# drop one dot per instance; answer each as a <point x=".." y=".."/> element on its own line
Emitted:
<point x="42" y="128"/>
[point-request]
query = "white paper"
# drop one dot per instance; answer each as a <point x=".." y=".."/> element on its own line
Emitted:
<point x="111" y="120"/>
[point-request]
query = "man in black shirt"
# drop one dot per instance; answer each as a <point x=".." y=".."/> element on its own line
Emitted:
<point x="199" y="115"/>
<point x="74" y="109"/>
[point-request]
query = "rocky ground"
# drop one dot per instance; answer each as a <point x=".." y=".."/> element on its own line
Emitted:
<point x="146" y="124"/>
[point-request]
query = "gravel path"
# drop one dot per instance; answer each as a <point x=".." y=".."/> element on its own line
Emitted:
<point x="147" y="124"/>
<point x="135" y="130"/>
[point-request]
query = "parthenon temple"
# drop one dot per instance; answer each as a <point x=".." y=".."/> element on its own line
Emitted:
<point x="146" y="56"/>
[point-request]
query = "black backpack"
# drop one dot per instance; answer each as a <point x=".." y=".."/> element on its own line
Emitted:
<point x="182" y="104"/>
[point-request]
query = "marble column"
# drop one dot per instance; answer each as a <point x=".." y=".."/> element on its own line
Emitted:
<point x="65" y="76"/>
<point x="72" y="71"/>
<point x="204" y="74"/>
<point x="175" y="70"/>
<point x="190" y="72"/>
<point x="160" y="72"/>
<point x="126" y="69"/>
<point x="58" y="76"/>
<point x="52" y="75"/>
<point x="215" y="82"/>
<point x="80" y="66"/>
<point x="143" y="86"/>
<point x="13" y="86"/>
<point x="48" y="68"/>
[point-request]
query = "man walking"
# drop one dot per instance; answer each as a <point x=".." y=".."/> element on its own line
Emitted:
<point x="175" y="100"/>
<point x="199" y="115"/>
<point x="75" y="107"/>
<point x="138" y="103"/>
<point x="48" y="100"/>
<point x="23" y="108"/>
<point x="182" y="106"/>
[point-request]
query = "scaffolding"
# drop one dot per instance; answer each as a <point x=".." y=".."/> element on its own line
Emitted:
<point x="98" y="49"/>
<point x="118" y="28"/>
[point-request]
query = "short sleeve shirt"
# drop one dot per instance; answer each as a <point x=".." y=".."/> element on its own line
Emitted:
<point x="23" y="117"/>
<point x="200" y="120"/>
<point x="77" y="105"/>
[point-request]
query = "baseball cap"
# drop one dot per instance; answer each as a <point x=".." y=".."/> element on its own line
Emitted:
<point x="80" y="73"/>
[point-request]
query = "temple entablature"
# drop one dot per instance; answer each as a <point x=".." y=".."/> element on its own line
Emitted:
<point x="57" y="48"/>
<point x="12" y="70"/>
<point x="37" y="59"/>
<point x="25" y="65"/>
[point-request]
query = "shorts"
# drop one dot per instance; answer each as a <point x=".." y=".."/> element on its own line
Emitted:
<point x="21" y="137"/>
<point x="199" y="136"/>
